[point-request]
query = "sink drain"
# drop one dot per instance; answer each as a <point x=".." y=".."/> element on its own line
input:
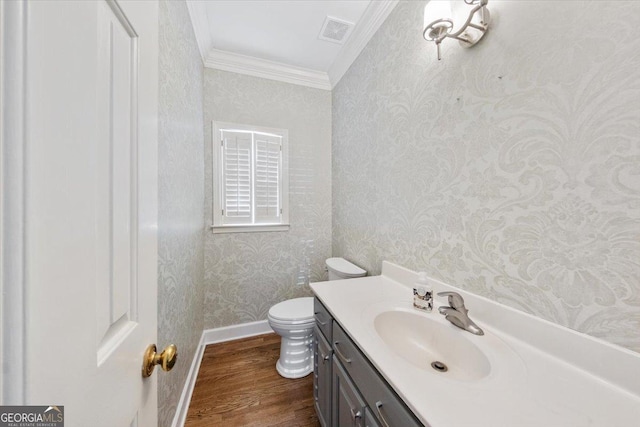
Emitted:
<point x="439" y="366"/>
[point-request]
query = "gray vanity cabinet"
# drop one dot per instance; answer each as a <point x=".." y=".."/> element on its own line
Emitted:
<point x="357" y="393"/>
<point x="348" y="405"/>
<point x="322" y="369"/>
<point x="388" y="409"/>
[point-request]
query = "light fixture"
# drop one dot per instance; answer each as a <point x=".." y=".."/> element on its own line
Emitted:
<point x="439" y="21"/>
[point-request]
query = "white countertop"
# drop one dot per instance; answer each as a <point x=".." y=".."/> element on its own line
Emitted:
<point x="542" y="374"/>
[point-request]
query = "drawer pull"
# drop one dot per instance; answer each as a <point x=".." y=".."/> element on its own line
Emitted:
<point x="380" y="415"/>
<point x="318" y="320"/>
<point x="339" y="353"/>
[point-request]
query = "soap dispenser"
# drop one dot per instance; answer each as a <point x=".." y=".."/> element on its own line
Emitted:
<point x="422" y="293"/>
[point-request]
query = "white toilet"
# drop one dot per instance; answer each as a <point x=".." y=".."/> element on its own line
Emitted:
<point x="293" y="320"/>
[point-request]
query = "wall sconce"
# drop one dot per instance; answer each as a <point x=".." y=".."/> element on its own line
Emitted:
<point x="439" y="24"/>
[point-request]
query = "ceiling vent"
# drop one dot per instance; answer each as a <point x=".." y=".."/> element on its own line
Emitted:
<point x="335" y="30"/>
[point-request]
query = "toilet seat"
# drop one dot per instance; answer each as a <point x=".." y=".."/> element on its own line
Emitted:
<point x="292" y="326"/>
<point x="293" y="311"/>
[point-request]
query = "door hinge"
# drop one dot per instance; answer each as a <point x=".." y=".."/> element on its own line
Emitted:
<point x="222" y="212"/>
<point x="222" y="142"/>
<point x="280" y="211"/>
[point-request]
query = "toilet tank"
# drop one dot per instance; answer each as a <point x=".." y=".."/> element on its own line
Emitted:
<point x="340" y="268"/>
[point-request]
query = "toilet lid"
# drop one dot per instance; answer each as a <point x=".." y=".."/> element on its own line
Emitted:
<point x="344" y="267"/>
<point x="293" y="309"/>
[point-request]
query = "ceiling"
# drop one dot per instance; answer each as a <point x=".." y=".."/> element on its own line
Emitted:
<point x="279" y="39"/>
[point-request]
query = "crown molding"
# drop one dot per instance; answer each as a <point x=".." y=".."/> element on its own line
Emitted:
<point x="198" y="15"/>
<point x="372" y="18"/>
<point x="249" y="65"/>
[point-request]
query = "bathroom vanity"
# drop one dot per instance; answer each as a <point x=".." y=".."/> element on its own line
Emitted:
<point x="375" y="363"/>
<point x="348" y="390"/>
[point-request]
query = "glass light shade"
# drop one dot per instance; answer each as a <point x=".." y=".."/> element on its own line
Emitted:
<point x="437" y="17"/>
<point x="436" y="9"/>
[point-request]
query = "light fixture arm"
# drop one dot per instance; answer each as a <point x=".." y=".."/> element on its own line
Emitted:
<point x="482" y="8"/>
<point x="439" y="29"/>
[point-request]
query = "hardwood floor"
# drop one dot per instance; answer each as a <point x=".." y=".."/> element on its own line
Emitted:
<point x="238" y="385"/>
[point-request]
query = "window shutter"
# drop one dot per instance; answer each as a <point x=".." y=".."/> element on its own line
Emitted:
<point x="268" y="167"/>
<point x="236" y="191"/>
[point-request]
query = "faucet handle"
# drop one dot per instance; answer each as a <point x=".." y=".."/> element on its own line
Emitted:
<point x="455" y="299"/>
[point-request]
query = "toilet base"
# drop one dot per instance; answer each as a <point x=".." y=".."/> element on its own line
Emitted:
<point x="296" y="357"/>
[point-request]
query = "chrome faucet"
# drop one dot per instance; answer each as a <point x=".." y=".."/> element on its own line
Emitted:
<point x="456" y="313"/>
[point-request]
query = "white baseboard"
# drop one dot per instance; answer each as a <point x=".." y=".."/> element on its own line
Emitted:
<point x="212" y="336"/>
<point x="234" y="332"/>
<point x="180" y="416"/>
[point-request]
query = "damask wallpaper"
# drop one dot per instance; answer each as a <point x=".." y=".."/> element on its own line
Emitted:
<point x="511" y="169"/>
<point x="180" y="200"/>
<point x="247" y="273"/>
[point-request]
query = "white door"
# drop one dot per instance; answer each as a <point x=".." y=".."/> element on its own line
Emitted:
<point x="90" y="207"/>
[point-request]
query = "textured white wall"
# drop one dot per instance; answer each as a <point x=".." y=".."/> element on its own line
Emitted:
<point x="246" y="273"/>
<point x="511" y="169"/>
<point x="180" y="200"/>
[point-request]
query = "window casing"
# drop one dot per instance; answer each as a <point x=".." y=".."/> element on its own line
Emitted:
<point x="250" y="178"/>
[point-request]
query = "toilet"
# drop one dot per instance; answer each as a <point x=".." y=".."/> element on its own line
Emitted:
<point x="293" y="320"/>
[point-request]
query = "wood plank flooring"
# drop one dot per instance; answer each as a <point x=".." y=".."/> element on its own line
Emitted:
<point x="238" y="385"/>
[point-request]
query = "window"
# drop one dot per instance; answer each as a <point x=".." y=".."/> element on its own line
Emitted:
<point x="250" y="178"/>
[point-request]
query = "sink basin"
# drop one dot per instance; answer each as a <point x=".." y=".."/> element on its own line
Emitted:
<point x="422" y="342"/>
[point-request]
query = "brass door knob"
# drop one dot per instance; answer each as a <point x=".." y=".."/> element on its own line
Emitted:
<point x="166" y="359"/>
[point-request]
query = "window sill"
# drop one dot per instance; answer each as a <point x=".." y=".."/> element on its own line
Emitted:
<point x="220" y="229"/>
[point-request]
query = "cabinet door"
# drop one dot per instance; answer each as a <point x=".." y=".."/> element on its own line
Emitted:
<point x="322" y="378"/>
<point x="348" y="406"/>
<point x="369" y="419"/>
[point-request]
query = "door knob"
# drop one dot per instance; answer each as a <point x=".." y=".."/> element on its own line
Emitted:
<point x="166" y="359"/>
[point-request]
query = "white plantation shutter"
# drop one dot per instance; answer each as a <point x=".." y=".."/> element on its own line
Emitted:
<point x="236" y="177"/>
<point x="251" y="183"/>
<point x="267" y="179"/>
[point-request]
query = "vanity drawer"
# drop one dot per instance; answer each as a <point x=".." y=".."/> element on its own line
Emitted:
<point x="385" y="405"/>
<point x="323" y="318"/>
<point x="348" y="354"/>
